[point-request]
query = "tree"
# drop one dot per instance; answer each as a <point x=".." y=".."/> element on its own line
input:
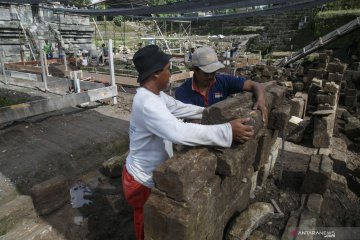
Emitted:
<point x="77" y="3"/>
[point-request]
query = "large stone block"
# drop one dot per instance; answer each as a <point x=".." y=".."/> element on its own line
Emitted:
<point x="323" y="130"/>
<point x="266" y="141"/>
<point x="7" y="189"/>
<point x="318" y="175"/>
<point x="297" y="107"/>
<point x="186" y="173"/>
<point x="279" y="94"/>
<point x="279" y="117"/>
<point x="205" y="217"/>
<point x="335" y="67"/>
<point x="296" y="129"/>
<point x="239" y="106"/>
<point x="249" y="220"/>
<point x="237" y="159"/>
<point x="325" y="99"/>
<point x="335" y="77"/>
<point x="165" y="218"/>
<point x="50" y="195"/>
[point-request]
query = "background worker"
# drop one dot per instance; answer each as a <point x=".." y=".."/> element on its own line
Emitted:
<point x="207" y="87"/>
<point x="154" y="125"/>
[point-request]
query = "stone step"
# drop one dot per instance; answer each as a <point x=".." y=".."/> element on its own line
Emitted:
<point x="7" y="190"/>
<point x="32" y="229"/>
<point x="14" y="211"/>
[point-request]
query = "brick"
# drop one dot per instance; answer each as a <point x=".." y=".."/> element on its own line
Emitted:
<point x="338" y="183"/>
<point x="297" y="107"/>
<point x="335" y="77"/>
<point x="336" y="68"/>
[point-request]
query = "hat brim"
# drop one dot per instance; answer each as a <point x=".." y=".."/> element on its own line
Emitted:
<point x="155" y="68"/>
<point x="213" y="67"/>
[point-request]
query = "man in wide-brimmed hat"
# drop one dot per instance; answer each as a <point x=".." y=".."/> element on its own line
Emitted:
<point x="154" y="125"/>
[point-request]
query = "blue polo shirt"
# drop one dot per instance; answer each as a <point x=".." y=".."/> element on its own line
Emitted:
<point x="224" y="86"/>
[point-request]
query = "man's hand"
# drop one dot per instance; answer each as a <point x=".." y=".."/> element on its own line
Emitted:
<point x="241" y="132"/>
<point x="261" y="105"/>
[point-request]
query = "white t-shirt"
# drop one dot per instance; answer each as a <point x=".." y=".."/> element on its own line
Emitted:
<point x="154" y="123"/>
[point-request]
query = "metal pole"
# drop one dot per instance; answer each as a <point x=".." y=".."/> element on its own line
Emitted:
<point x="2" y="60"/>
<point x="112" y="71"/>
<point x="45" y="61"/>
<point x="43" y="74"/>
<point x="65" y="61"/>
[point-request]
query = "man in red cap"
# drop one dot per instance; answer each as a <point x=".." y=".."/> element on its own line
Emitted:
<point x="155" y="124"/>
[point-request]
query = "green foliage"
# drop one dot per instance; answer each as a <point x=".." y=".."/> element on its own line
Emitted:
<point x="78" y="3"/>
<point x="327" y="21"/>
<point x="161" y="2"/>
<point x="118" y="20"/>
<point x="342" y="5"/>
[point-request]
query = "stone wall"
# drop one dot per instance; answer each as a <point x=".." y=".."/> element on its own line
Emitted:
<point x="277" y="32"/>
<point x="40" y="24"/>
<point x="200" y="189"/>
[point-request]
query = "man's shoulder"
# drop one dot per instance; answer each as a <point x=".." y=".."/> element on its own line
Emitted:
<point x="185" y="86"/>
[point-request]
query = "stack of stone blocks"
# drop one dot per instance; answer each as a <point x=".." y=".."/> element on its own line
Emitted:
<point x="323" y="94"/>
<point x="48" y="25"/>
<point x="200" y="189"/>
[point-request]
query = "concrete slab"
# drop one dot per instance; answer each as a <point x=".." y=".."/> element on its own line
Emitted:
<point x="68" y="144"/>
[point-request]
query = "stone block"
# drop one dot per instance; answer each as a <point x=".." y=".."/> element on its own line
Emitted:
<point x="316" y="73"/>
<point x="14" y="211"/>
<point x="338" y="183"/>
<point x="334" y="67"/>
<point x="279" y="118"/>
<point x="274" y="153"/>
<point x="254" y="182"/>
<point x="165" y="218"/>
<point x="331" y="87"/>
<point x="7" y="190"/>
<point x="317" y="176"/>
<point x="256" y="235"/>
<point x="296" y="129"/>
<point x="266" y="141"/>
<point x="235" y="161"/>
<point x="50" y="195"/>
<point x="350" y="101"/>
<point x="324" y="58"/>
<point x="335" y="77"/>
<point x="308" y="222"/>
<point x="297" y="107"/>
<point x="325" y="106"/>
<point x="352" y="128"/>
<point x="33" y="229"/>
<point x="279" y="94"/>
<point x="325" y="99"/>
<point x="291" y="226"/>
<point x="256" y="214"/>
<point x="323" y="130"/>
<point x="204" y="217"/>
<point x="313" y="90"/>
<point x="298" y="86"/>
<point x="314" y="203"/>
<point x="185" y="174"/>
<point x="113" y="167"/>
<point x="239" y="106"/>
